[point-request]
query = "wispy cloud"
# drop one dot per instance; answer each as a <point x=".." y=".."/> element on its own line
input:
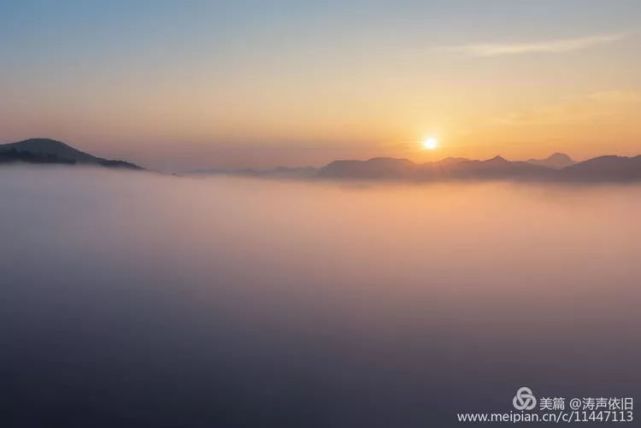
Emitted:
<point x="550" y="46"/>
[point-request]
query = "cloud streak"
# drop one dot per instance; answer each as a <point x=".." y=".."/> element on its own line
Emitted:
<point x="551" y="46"/>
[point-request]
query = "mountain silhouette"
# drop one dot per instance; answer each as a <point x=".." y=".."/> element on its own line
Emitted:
<point x="48" y="151"/>
<point x="497" y="167"/>
<point x="612" y="168"/>
<point x="557" y="167"/>
<point x="449" y="168"/>
<point x="556" y="161"/>
<point x="605" y="168"/>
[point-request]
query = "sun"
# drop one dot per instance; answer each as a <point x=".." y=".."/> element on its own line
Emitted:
<point x="430" y="143"/>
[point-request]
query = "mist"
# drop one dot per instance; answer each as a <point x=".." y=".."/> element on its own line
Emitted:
<point x="137" y="299"/>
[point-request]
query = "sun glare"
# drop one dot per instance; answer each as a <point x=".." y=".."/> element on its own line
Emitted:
<point x="430" y="143"/>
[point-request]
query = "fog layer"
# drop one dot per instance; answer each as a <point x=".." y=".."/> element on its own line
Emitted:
<point x="133" y="299"/>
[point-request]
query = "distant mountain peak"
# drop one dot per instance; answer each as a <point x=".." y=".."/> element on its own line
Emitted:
<point x="555" y="160"/>
<point x="498" y="159"/>
<point x="50" y="151"/>
<point x="559" y="156"/>
<point x="42" y="142"/>
<point x="613" y="168"/>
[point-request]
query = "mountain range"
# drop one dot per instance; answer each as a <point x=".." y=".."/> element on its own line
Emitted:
<point x="48" y="151"/>
<point x="557" y="167"/>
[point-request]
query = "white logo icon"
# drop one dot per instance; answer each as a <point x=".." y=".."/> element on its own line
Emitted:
<point x="524" y="399"/>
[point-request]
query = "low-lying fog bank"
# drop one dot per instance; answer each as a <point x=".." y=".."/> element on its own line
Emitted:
<point x="135" y="299"/>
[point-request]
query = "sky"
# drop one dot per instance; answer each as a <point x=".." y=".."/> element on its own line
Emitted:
<point x="258" y="83"/>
